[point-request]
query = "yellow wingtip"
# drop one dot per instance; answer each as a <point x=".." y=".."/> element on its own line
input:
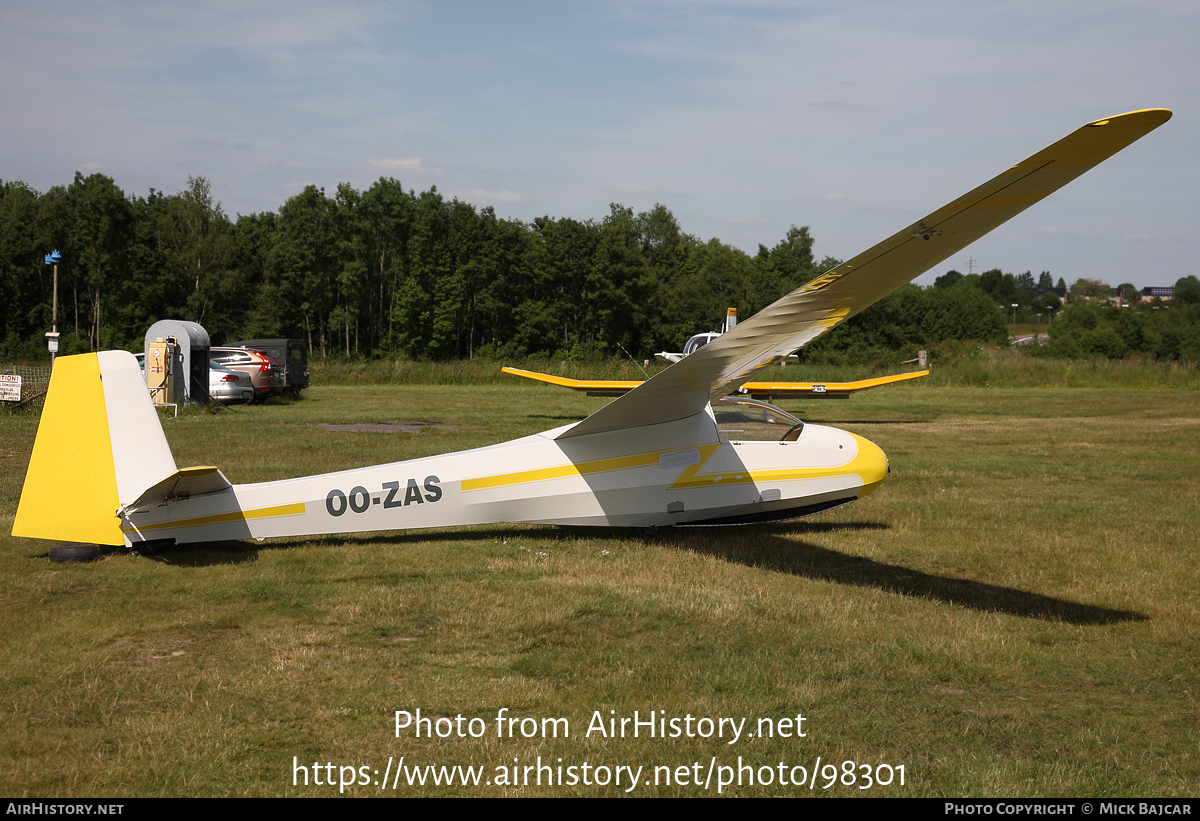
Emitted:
<point x="1157" y="116"/>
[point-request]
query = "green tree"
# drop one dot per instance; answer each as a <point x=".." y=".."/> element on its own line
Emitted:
<point x="1091" y="289"/>
<point x="197" y="237"/>
<point x="561" y="310"/>
<point x="1187" y="290"/>
<point x="1000" y="286"/>
<point x="259" y="314"/>
<point x="385" y="219"/>
<point x="1103" y="341"/>
<point x="25" y="281"/>
<point x="947" y="280"/>
<point x="783" y="269"/>
<point x="302" y="269"/>
<point x="619" y="285"/>
<point x="100" y="232"/>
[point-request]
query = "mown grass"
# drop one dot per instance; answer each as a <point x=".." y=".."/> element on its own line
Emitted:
<point x="1013" y="613"/>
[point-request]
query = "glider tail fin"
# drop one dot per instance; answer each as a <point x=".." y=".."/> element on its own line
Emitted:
<point x="99" y="446"/>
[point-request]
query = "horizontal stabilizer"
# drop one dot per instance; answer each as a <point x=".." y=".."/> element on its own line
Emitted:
<point x="182" y="484"/>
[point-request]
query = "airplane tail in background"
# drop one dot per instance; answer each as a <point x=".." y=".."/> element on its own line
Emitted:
<point x="99" y="447"/>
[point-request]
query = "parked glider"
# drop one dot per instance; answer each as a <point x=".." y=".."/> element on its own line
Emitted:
<point x="101" y="470"/>
<point x="770" y="391"/>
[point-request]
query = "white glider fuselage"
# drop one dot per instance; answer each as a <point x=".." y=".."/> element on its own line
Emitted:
<point x="660" y="475"/>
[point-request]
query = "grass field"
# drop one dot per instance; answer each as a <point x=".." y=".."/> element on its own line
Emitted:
<point x="1014" y="613"/>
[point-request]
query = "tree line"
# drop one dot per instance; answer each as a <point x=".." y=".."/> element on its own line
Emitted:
<point x="1162" y="329"/>
<point x="1092" y="324"/>
<point x="399" y="273"/>
<point x="383" y="271"/>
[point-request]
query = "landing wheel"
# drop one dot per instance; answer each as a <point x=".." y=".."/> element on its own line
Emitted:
<point x="75" y="552"/>
<point x="651" y="532"/>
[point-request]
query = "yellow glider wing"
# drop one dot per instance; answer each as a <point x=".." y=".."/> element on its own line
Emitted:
<point x="725" y="364"/>
<point x="827" y="390"/>
<point x="594" y="387"/>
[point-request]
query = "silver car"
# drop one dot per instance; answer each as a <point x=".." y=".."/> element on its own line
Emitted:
<point x="265" y="373"/>
<point x="228" y="386"/>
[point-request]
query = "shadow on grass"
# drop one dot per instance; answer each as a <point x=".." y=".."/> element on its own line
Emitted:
<point x="207" y="554"/>
<point x="768" y="548"/>
<point x="800" y="558"/>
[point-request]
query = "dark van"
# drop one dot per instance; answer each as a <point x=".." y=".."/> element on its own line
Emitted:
<point x="292" y="354"/>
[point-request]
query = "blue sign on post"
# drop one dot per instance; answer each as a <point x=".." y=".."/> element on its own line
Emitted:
<point x="53" y="257"/>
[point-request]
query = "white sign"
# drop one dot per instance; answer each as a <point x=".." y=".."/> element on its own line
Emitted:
<point x="10" y="387"/>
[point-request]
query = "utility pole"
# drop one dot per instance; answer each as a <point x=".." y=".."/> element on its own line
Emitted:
<point x="53" y="258"/>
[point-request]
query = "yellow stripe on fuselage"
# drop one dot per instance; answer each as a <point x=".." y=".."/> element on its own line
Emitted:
<point x="637" y="460"/>
<point x="292" y="509"/>
<point x="869" y="463"/>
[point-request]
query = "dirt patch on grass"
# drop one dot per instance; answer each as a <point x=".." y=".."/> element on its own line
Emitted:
<point x="414" y="426"/>
<point x="144" y="652"/>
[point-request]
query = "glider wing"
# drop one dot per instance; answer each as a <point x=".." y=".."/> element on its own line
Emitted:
<point x="728" y="362"/>
<point x="604" y="387"/>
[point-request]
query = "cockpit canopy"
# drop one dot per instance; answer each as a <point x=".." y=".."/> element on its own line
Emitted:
<point x="699" y="341"/>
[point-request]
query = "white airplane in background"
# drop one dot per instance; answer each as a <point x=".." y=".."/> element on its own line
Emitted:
<point x="102" y="472"/>
<point x="698" y="341"/>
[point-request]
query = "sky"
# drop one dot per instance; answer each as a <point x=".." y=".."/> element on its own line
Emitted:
<point x="743" y="118"/>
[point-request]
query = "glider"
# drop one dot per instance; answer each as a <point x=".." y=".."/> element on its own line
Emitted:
<point x="759" y="390"/>
<point x="101" y="470"/>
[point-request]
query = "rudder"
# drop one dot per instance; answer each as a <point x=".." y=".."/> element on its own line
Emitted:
<point x="98" y="446"/>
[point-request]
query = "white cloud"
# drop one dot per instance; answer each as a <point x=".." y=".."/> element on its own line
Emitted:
<point x="480" y="194"/>
<point x="630" y="188"/>
<point x="409" y="165"/>
<point x="235" y="145"/>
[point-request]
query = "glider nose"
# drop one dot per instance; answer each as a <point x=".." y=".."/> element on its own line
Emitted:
<point x="871" y="464"/>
